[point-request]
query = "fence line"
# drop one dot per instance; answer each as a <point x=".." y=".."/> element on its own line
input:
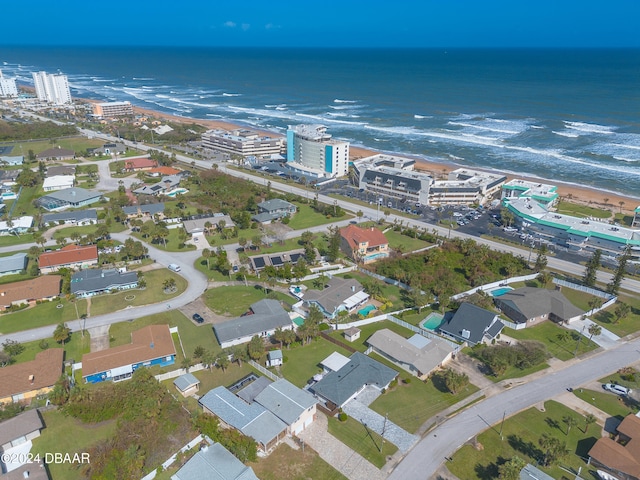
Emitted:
<point x="388" y="280"/>
<point x="348" y="348"/>
<point x="178" y="372"/>
<point x="264" y="371"/>
<point x="424" y="332"/>
<point x="169" y="462"/>
<point x="592" y="291"/>
<point x="492" y="285"/>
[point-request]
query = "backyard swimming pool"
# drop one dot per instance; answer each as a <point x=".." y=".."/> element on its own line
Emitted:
<point x="500" y="291"/>
<point x="177" y="191"/>
<point x="433" y="321"/>
<point x="366" y="310"/>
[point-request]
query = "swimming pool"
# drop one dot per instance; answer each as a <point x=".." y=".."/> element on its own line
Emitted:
<point x="177" y="191"/>
<point x="500" y="291"/>
<point x="366" y="310"/>
<point x="433" y="321"/>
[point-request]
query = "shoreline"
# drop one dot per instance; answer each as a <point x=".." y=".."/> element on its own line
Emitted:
<point x="580" y="194"/>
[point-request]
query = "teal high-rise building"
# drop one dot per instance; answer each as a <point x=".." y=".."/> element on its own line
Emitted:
<point x="312" y="151"/>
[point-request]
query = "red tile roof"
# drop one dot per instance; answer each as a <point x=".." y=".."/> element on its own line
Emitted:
<point x="68" y="255"/>
<point x="140" y="163"/>
<point x="46" y="369"/>
<point x="37" y="288"/>
<point x="355" y="235"/>
<point x="165" y="171"/>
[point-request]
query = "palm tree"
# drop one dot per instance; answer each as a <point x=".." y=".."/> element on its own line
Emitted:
<point x="169" y="284"/>
<point x="570" y="421"/>
<point x="594" y="329"/>
<point x="621" y="203"/>
<point x="206" y="253"/>
<point x="621" y="312"/>
<point x="588" y="420"/>
<point x="223" y="361"/>
<point x="186" y="364"/>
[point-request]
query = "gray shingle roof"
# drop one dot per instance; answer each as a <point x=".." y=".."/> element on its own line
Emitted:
<point x="267" y="315"/>
<point x="472" y="319"/>
<point x="76" y="215"/>
<point x="185" y="381"/>
<point x="148" y="209"/>
<point x="533" y="302"/>
<point x="72" y="195"/>
<point x="253" y="420"/>
<point x="214" y="463"/>
<point x="14" y="262"/>
<point x="249" y="393"/>
<point x="16" y="427"/>
<point x="274" y="205"/>
<point x="337" y="291"/>
<point x="285" y="400"/>
<point x="340" y="386"/>
<point x="95" y="280"/>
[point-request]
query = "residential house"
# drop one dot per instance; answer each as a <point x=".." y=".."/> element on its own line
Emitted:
<point x="163" y="172"/>
<point x="334" y="362"/>
<point x="13" y="264"/>
<point x="12" y="161"/>
<point x="110" y="149"/>
<point x="16" y="226"/>
<point x="23" y="381"/>
<point x="259" y="262"/>
<point x="163" y="186"/>
<point x="619" y="456"/>
<point x="139" y="164"/>
<point x="252" y="419"/>
<point x="58" y="182"/>
<point x="418" y="355"/>
<point x="274" y="358"/>
<point x="72" y="256"/>
<point x="529" y="472"/>
<point x="29" y="291"/>
<point x="264" y="317"/>
<point x="75" y="197"/>
<point x="56" y="154"/>
<point x="55" y="170"/>
<point x="339" y="387"/>
<point x="198" y="225"/>
<point x="8" y="176"/>
<point x="146" y="210"/>
<point x="274" y="209"/>
<point x="363" y="245"/>
<point x="292" y="405"/>
<point x="151" y="345"/>
<point x="471" y="324"/>
<point x="75" y="217"/>
<point x="530" y="306"/>
<point x="187" y="384"/>
<point x="87" y="283"/>
<point x="162" y="129"/>
<point x="214" y="462"/>
<point x="15" y="440"/>
<point x="340" y="294"/>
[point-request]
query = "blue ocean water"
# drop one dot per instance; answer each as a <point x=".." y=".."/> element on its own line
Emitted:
<point x="565" y="115"/>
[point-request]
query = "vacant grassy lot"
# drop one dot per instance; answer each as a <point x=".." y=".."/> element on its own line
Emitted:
<point x="608" y="402"/>
<point x="79" y="144"/>
<point x="152" y="293"/>
<point x="403" y="242"/>
<point x="576" y="210"/>
<point x="411" y="405"/>
<point x="40" y="315"/>
<point x="521" y="434"/>
<point x="170" y="244"/>
<point x="66" y="434"/>
<point x="555" y="338"/>
<point x="291" y="464"/>
<point x="303" y="362"/>
<point x="234" y="301"/>
<point x="364" y="441"/>
<point x="307" y="217"/>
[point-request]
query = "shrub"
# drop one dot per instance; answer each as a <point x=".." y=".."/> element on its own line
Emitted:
<point x="407" y="380"/>
<point x="342" y="417"/>
<point x="43" y="344"/>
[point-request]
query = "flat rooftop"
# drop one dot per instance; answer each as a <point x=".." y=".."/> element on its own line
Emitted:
<point x="531" y="188"/>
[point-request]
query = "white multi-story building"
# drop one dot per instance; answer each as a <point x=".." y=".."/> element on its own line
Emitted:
<point x="244" y="142"/>
<point x="52" y="88"/>
<point x="464" y="187"/>
<point x="8" y="86"/>
<point x="311" y="151"/>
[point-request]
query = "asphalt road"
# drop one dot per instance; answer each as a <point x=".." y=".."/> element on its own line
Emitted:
<point x="428" y="454"/>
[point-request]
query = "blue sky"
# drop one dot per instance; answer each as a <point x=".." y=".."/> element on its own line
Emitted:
<point x="330" y="23"/>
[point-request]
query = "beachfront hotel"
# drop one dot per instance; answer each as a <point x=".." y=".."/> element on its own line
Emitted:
<point x="311" y="151"/>
<point x="544" y="194"/>
<point x="466" y="187"/>
<point x="573" y="232"/>
<point x="52" y="88"/>
<point x="244" y="142"/>
<point x="112" y="109"/>
<point x="8" y="86"/>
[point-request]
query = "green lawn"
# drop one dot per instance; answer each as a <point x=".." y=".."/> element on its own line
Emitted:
<point x="307" y="217"/>
<point x="10" y="240"/>
<point x="24" y="202"/>
<point x="411" y="405"/>
<point x="173" y="242"/>
<point x="74" y="348"/>
<point x="152" y="293"/>
<point x="64" y="434"/>
<point x="403" y="242"/>
<point x="362" y="440"/>
<point x="521" y="434"/>
<point x="578" y="298"/>
<point x="83" y="230"/>
<point x="234" y="301"/>
<point x="46" y="313"/>
<point x="550" y="334"/>
<point x="367" y="330"/>
<point x="284" y="462"/>
<point x="623" y="327"/>
<point x="79" y="144"/>
<point x="617" y="378"/>
<point x="608" y="402"/>
<point x="576" y="210"/>
<point x="303" y="362"/>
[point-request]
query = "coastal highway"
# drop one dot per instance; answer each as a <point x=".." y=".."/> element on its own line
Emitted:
<point x="440" y="443"/>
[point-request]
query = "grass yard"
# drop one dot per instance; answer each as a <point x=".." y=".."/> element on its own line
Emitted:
<point x="173" y="242"/>
<point x="46" y="313"/>
<point x="411" y="405"/>
<point x="404" y="243"/>
<point x="152" y="293"/>
<point x="24" y="204"/>
<point x="79" y="144"/>
<point x="234" y="301"/>
<point x="64" y="434"/>
<point x="74" y="348"/>
<point x="617" y="377"/>
<point x="576" y="210"/>
<point x="521" y="434"/>
<point x="395" y="294"/>
<point x="366" y="442"/>
<point x="367" y="330"/>
<point x="10" y="240"/>
<point x="307" y="217"/>
<point x="578" y="298"/>
<point x="291" y="464"/>
<point x="608" y="402"/>
<point x="627" y="325"/>
<point x="552" y="335"/>
<point x="302" y="362"/>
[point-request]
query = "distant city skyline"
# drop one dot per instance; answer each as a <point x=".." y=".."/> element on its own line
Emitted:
<point x="376" y="23"/>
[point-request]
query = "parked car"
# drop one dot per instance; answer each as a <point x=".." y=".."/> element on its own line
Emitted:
<point x="617" y="389"/>
<point x="198" y="318"/>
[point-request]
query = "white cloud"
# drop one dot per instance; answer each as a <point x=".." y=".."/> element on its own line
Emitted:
<point x="230" y="24"/>
<point x="245" y="26"/>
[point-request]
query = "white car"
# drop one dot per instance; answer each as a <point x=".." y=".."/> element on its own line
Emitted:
<point x="617" y="389"/>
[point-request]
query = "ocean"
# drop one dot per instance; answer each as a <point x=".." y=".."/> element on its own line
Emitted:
<point x="565" y="115"/>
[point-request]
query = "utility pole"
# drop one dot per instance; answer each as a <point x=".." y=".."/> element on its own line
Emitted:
<point x="502" y="425"/>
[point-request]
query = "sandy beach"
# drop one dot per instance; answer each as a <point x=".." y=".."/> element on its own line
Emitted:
<point x="574" y="193"/>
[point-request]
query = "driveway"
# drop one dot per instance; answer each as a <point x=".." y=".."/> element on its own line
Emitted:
<point x="606" y="339"/>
